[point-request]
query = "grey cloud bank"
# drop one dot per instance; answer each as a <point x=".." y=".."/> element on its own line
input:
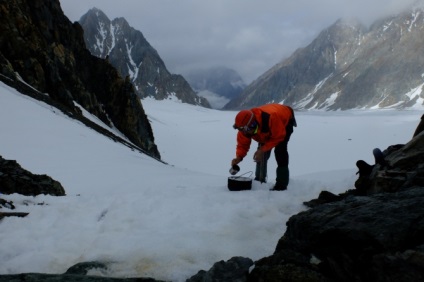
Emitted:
<point x="249" y="36"/>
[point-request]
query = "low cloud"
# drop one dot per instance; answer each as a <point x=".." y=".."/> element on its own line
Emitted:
<point x="216" y="101"/>
<point x="247" y="36"/>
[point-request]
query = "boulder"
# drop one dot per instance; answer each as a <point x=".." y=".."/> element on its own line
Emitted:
<point x="401" y="167"/>
<point x="372" y="233"/>
<point x="15" y="179"/>
<point x="234" y="270"/>
<point x="76" y="273"/>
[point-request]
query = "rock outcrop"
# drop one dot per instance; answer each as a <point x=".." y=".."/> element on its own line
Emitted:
<point x="235" y="269"/>
<point x="76" y="273"/>
<point x="397" y="168"/>
<point x="372" y="233"/>
<point x="42" y="49"/>
<point x="15" y="179"/>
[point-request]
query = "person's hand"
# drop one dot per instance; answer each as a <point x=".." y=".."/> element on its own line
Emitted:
<point x="258" y="156"/>
<point x="236" y="161"/>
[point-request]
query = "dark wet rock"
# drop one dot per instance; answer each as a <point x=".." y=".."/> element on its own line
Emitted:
<point x="374" y="233"/>
<point x="234" y="270"/>
<point x="37" y="277"/>
<point x="15" y="179"/>
<point x="84" y="267"/>
<point x="43" y="55"/>
<point x="402" y="167"/>
<point x="76" y="273"/>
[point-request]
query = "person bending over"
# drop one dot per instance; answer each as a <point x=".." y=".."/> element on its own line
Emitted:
<point x="270" y="125"/>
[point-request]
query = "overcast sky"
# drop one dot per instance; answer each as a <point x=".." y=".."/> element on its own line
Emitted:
<point x="249" y="36"/>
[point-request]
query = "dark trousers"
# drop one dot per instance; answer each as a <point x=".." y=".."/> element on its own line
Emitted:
<point x="280" y="151"/>
<point x="281" y="155"/>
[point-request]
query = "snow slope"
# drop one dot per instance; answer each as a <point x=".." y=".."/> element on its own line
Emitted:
<point x="146" y="218"/>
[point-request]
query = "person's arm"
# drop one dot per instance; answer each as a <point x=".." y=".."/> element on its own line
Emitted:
<point x="243" y="145"/>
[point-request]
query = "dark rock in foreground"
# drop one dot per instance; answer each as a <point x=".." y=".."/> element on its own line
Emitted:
<point x="372" y="233"/>
<point x="377" y="238"/>
<point x="234" y="270"/>
<point x="15" y="179"/>
<point x="36" y="277"/>
<point x="77" y="273"/>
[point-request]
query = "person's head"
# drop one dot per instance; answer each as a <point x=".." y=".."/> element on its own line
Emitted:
<point x="245" y="121"/>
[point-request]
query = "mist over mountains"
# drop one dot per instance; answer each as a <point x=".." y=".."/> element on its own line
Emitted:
<point x="217" y="84"/>
<point x="349" y="66"/>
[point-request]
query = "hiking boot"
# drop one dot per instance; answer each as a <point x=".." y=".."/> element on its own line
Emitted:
<point x="278" y="187"/>
<point x="282" y="179"/>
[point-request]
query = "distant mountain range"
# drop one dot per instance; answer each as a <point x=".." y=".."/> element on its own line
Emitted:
<point x="130" y="53"/>
<point x="349" y="66"/>
<point x="217" y="84"/>
<point x="222" y="80"/>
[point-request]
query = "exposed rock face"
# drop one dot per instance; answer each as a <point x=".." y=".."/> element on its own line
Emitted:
<point x="131" y="54"/>
<point x="372" y="234"/>
<point x="398" y="167"/>
<point x="374" y="238"/>
<point x="40" y="46"/>
<point x="76" y="273"/>
<point x="234" y="270"/>
<point x="348" y="66"/>
<point x="15" y="179"/>
<point x="37" y="277"/>
<point x="404" y="168"/>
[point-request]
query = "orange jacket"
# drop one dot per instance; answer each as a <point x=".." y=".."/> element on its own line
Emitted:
<point x="279" y="117"/>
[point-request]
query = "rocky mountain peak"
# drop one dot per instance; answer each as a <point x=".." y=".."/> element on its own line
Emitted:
<point x="41" y="51"/>
<point x="349" y="66"/>
<point x="131" y="54"/>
